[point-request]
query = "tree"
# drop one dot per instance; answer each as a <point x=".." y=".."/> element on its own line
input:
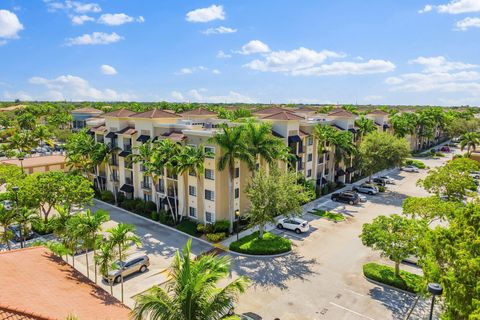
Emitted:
<point x="379" y="151"/>
<point x="191" y="292"/>
<point x="104" y="258"/>
<point x="404" y="123"/>
<point x="394" y="236"/>
<point x="24" y="218"/>
<point x="261" y="143"/>
<point x="344" y="146"/>
<point x="77" y="191"/>
<point x="365" y="126"/>
<point x="120" y="237"/>
<point x="234" y="147"/>
<point x="7" y="219"/>
<point x="60" y="227"/>
<point x="469" y="140"/>
<point x="274" y="194"/>
<point x="429" y="209"/>
<point x="324" y="134"/>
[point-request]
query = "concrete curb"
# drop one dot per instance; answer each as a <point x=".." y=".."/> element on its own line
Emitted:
<point x="390" y="287"/>
<point x="152" y="221"/>
<point x="260" y="256"/>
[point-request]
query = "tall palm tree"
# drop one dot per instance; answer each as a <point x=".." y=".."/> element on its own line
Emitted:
<point x="90" y="225"/>
<point x="43" y="135"/>
<point x="404" y="123"/>
<point x="425" y="126"/>
<point x="233" y="144"/>
<point x="470" y="140"/>
<point x="365" y="126"/>
<point x="7" y="219"/>
<point x="261" y="143"/>
<point x="25" y="217"/>
<point x="104" y="258"/>
<point x="59" y="225"/>
<point x="191" y="293"/>
<point x="122" y="236"/>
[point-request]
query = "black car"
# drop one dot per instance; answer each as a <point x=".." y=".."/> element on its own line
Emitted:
<point x="348" y="197"/>
<point x="379" y="182"/>
<point x="17" y="235"/>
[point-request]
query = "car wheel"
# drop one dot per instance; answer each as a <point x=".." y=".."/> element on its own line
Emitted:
<point x="117" y="279"/>
<point x="350" y="202"/>
<point x="298" y="231"/>
<point x="143" y="269"/>
<point x="335" y="199"/>
<point x="279" y="226"/>
<point x="370" y="192"/>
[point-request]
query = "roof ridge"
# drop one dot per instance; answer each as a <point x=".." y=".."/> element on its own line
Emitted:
<point x="34" y="315"/>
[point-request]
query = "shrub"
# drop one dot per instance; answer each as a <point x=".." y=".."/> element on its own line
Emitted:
<point x="215" y="237"/>
<point x="328" y="215"/>
<point x="268" y="245"/>
<point x="417" y="163"/>
<point x="42" y="228"/>
<point x="129" y="204"/>
<point x="120" y="197"/>
<point x="221" y="226"/>
<point x="107" y="196"/>
<point x="200" y="228"/>
<point x="154" y="215"/>
<point x="150" y="206"/>
<point x="406" y="281"/>
<point x="325" y="190"/>
<point x="331" y="186"/>
<point x="340" y="185"/>
<point x="188" y="226"/>
<point x="165" y="218"/>
<point x="381" y="188"/>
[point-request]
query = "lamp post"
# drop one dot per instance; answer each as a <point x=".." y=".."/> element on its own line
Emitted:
<point x="436" y="290"/>
<point x="15" y="191"/>
<point x="237" y="217"/>
<point x="21" y="158"/>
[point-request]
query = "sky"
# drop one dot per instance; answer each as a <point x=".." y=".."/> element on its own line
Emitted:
<point x="410" y="52"/>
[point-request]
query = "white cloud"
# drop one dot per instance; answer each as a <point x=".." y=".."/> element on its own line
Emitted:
<point x="467" y="23"/>
<point x="75" y="6"/>
<point x="438" y="75"/>
<point x="177" y="96"/>
<point x="79" y="20"/>
<point x="223" y="55"/>
<point x="108" y="70"/>
<point x="211" y="13"/>
<point x="21" y="95"/>
<point x="94" y="39"/>
<point x="254" y="46"/>
<point x="216" y="71"/>
<point x="198" y="95"/>
<point x="307" y="62"/>
<point x="10" y="26"/>
<point x="117" y="19"/>
<point x="454" y="7"/>
<point x="196" y="69"/>
<point x="68" y="87"/>
<point x="219" y="30"/>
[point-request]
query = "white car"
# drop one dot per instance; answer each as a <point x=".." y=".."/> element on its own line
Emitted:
<point x="409" y="168"/>
<point x="366" y="188"/>
<point x="360" y="196"/>
<point x="295" y="224"/>
<point x="388" y="179"/>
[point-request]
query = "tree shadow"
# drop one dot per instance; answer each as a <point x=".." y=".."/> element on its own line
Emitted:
<point x="388" y="198"/>
<point x="397" y="301"/>
<point x="273" y="272"/>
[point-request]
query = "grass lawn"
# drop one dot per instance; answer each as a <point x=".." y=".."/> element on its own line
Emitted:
<point x="328" y="215"/>
<point x="406" y="281"/>
<point x="269" y="244"/>
<point x="189" y="227"/>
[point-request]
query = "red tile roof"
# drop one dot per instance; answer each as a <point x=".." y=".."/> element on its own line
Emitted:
<point x="283" y="115"/>
<point x="120" y="113"/>
<point x="87" y="110"/>
<point x="127" y="131"/>
<point x="32" y="162"/>
<point x="38" y="284"/>
<point x="341" y="113"/>
<point x="199" y="112"/>
<point x="155" y="114"/>
<point x="271" y="110"/>
<point x="100" y="129"/>
<point x="175" y="136"/>
<point x="379" y="112"/>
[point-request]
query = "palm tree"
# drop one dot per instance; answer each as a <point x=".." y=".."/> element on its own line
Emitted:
<point x="261" y="143"/>
<point x="233" y="144"/>
<point x="7" y="219"/>
<point x="191" y="293"/>
<point x="470" y="140"/>
<point x="104" y="258"/>
<point x="42" y="135"/>
<point x="25" y="217"/>
<point x="90" y="224"/>
<point x="365" y="126"/>
<point x="120" y="237"/>
<point x="59" y="225"/>
<point x="404" y="123"/>
<point x="426" y="126"/>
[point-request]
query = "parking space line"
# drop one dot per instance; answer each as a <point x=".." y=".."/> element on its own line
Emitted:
<point x="350" y="310"/>
<point x="291" y="235"/>
<point x="354" y="292"/>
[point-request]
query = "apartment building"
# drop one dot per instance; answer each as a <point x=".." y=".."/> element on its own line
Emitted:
<point x="206" y="197"/>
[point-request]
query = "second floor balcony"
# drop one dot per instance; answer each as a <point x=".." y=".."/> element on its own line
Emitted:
<point x="114" y="178"/>
<point x="113" y="162"/>
<point x="129" y="180"/>
<point x="146" y="185"/>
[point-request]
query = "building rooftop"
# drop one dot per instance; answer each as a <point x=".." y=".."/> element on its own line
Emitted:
<point x="31" y="162"/>
<point x="283" y="115"/>
<point x="379" y="112"/>
<point x="120" y="113"/>
<point x="38" y="285"/>
<point x="341" y="113"/>
<point x="199" y="112"/>
<point x="155" y="114"/>
<point x="87" y="110"/>
<point x="271" y="110"/>
<point x="127" y="131"/>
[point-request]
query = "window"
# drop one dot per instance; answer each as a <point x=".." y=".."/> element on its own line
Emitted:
<point x="309" y="173"/>
<point x="310" y="141"/>
<point x="257" y="166"/>
<point x="147" y="197"/>
<point x="237" y="193"/>
<point x="208" y="216"/>
<point x="210" y="149"/>
<point x="192" y="212"/>
<point x="328" y="156"/>
<point x="192" y="173"/>
<point x="309" y="157"/>
<point x="209" y="174"/>
<point x="192" y="191"/>
<point x="209" y="195"/>
<point x="237" y="172"/>
<point x="327" y="171"/>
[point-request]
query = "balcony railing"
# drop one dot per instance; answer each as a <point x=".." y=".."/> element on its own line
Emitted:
<point x="160" y="188"/>
<point x="146" y="185"/>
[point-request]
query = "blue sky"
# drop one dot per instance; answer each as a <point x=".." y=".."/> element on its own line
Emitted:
<point x="311" y="51"/>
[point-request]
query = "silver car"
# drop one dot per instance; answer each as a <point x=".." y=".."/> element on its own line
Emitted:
<point x="366" y="188"/>
<point x="126" y="268"/>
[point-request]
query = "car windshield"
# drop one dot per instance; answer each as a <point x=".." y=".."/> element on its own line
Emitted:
<point x="121" y="264"/>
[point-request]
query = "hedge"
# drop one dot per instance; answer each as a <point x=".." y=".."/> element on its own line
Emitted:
<point x="270" y="244"/>
<point x="406" y="281"/>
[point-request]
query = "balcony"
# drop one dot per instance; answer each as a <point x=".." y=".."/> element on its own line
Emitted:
<point x="160" y="188"/>
<point x="127" y="147"/>
<point x="146" y="185"/>
<point x="114" y="178"/>
<point x="113" y="162"/>
<point x="112" y="145"/>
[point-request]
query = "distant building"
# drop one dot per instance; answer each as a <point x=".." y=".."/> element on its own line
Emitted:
<point x="39" y="164"/>
<point x="80" y="117"/>
<point x="38" y="285"/>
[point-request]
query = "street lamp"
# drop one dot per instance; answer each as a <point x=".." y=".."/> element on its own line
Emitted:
<point x="15" y="191"/>
<point x="436" y="290"/>
<point x="237" y="216"/>
<point x="21" y="158"/>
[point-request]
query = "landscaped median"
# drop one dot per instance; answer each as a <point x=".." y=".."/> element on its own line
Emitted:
<point x="406" y="281"/>
<point x="270" y="244"/>
<point x="328" y="215"/>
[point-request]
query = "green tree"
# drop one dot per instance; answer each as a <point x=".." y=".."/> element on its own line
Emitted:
<point x="234" y="147"/>
<point x="192" y="292"/>
<point x="24" y="217"/>
<point x="261" y="143"/>
<point x="77" y="191"/>
<point x="60" y="227"/>
<point x="379" y="151"/>
<point x="365" y="126"/>
<point x="429" y="209"/>
<point x="7" y="219"/>
<point x="394" y="236"/>
<point x="404" y="123"/>
<point x="104" y="258"/>
<point x="122" y="236"/>
<point x="470" y="141"/>
<point x="274" y="194"/>
<point x="344" y="146"/>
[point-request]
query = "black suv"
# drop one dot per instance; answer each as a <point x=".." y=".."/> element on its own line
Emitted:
<point x="348" y="197"/>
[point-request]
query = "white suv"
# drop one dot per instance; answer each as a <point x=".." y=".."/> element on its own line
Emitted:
<point x="366" y="188"/>
<point x="295" y="224"/>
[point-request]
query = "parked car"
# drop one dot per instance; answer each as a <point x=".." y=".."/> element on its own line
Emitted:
<point x="17" y="236"/>
<point x="250" y="316"/>
<point x="366" y="188"/>
<point x="445" y="149"/>
<point x="360" y="196"/>
<point x="348" y="197"/>
<point x="388" y="179"/>
<point x="409" y="168"/>
<point x="126" y="268"/>
<point x="475" y="174"/>
<point x="296" y="224"/>
<point x="379" y="182"/>
<point x="7" y="204"/>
